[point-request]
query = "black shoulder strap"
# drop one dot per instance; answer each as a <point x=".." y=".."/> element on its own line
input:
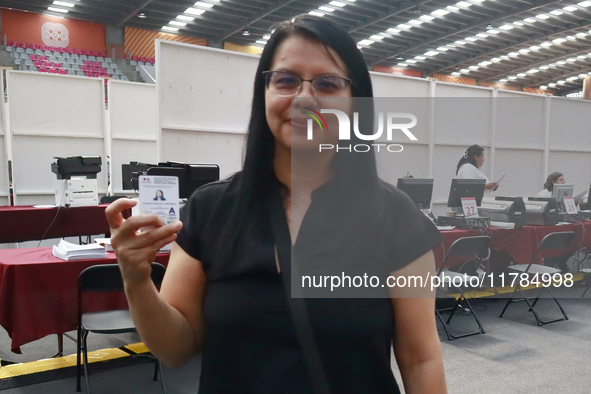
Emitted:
<point x="297" y="306"/>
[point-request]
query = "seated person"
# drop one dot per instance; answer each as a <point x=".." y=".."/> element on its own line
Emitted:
<point x="555" y="177"/>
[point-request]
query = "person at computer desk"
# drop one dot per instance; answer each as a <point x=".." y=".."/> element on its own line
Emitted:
<point x="469" y="167"/>
<point x="555" y="177"/>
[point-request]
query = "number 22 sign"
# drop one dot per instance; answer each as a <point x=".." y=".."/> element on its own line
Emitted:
<point x="469" y="206"/>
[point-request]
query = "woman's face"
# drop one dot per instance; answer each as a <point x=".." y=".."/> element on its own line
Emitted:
<point x="306" y="59"/>
<point x="560" y="180"/>
<point x="159" y="194"/>
<point x="479" y="160"/>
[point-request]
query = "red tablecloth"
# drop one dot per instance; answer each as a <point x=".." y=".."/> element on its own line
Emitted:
<point x="28" y="223"/>
<point x="38" y="293"/>
<point x="519" y="244"/>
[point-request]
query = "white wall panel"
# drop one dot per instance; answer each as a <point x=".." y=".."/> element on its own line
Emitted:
<point x="386" y="85"/>
<point x="570" y="124"/>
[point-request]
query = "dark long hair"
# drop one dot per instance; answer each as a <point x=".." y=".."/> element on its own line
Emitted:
<point x="551" y="179"/>
<point x="468" y="157"/>
<point x="356" y="171"/>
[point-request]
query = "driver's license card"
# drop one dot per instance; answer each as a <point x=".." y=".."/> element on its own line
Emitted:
<point x="159" y="195"/>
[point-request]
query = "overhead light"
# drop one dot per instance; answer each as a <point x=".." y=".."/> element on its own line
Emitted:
<point x="546" y="44"/>
<point x="581" y="35"/>
<point x="558" y="40"/>
<point x="464" y="71"/>
<point x="533" y="71"/>
<point x="512" y="78"/>
<point x="450" y="45"/>
<point x="143" y="16"/>
<point x="572" y="38"/>
<point x="570" y="8"/>
<point x="262" y="42"/>
<point x="194" y="11"/>
<point x="404" y="26"/>
<point x="325" y="8"/>
<point x="471" y="39"/>
<point x="513" y="54"/>
<point x="365" y="42"/>
<point x="177" y="23"/>
<point x="474" y="68"/>
<point x="552" y="65"/>
<point x="460" y="42"/>
<point x="431" y="53"/>
<point x="481" y="35"/>
<point x="63" y="4"/>
<point x="440" y="12"/>
<point x="543" y="87"/>
<point x="544" y="67"/>
<point x="246" y="33"/>
<point x="393" y="31"/>
<point x="376" y="37"/>
<point x="504" y="57"/>
<point x="518" y="23"/>
<point x="443" y="49"/>
<point x="583" y="76"/>
<point x="426" y="18"/>
<point x="415" y="22"/>
<point x="411" y="61"/>
<point x="463" y="4"/>
<point x="495" y="59"/>
<point x="57" y="10"/>
<point x="542" y="16"/>
<point x="266" y="36"/>
<point x="456" y="74"/>
<point x="452" y="8"/>
<point x="572" y="78"/>
<point x="571" y="59"/>
<point x="185" y="18"/>
<point x="503" y="80"/>
<point x="561" y="82"/>
<point x="204" y="5"/>
<point x="561" y="62"/>
<point x="168" y="28"/>
<point x="551" y="85"/>
<point x="522" y="75"/>
<point x="420" y="57"/>
<point x="530" y="20"/>
<point x="556" y="12"/>
<point x="506" y="27"/>
<point x="493" y="31"/>
<point x="535" y="48"/>
<point x="316" y="13"/>
<point x="403" y="64"/>
<point x="524" y="51"/>
<point x="485" y="63"/>
<point x="337" y="4"/>
<point x="584" y="4"/>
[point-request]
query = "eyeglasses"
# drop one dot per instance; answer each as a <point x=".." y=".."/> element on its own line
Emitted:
<point x="286" y="84"/>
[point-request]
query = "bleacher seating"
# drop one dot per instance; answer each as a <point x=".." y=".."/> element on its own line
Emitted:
<point x="68" y="61"/>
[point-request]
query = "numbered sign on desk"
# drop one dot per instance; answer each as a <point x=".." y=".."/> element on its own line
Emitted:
<point x="569" y="205"/>
<point x="469" y="206"/>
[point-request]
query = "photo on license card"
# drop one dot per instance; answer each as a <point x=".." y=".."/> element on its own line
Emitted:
<point x="159" y="195"/>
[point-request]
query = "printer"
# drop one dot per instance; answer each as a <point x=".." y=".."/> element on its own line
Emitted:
<point x="76" y="183"/>
<point x="504" y="209"/>
<point x="541" y="211"/>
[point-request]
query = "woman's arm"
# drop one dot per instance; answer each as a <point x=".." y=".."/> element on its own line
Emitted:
<point x="416" y="342"/>
<point x="170" y="322"/>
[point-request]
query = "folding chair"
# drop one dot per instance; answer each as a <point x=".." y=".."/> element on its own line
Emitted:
<point x="106" y="278"/>
<point x="552" y="241"/>
<point x="473" y="248"/>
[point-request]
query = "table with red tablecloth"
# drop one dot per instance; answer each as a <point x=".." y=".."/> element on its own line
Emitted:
<point x="519" y="244"/>
<point x="28" y="223"/>
<point x="38" y="293"/>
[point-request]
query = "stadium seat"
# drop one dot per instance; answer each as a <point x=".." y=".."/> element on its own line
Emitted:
<point x="124" y="78"/>
<point x="52" y="71"/>
<point x="89" y="74"/>
<point x="91" y="58"/>
<point x="78" y="52"/>
<point x="116" y="77"/>
<point x="33" y="46"/>
<point x="135" y="58"/>
<point x="71" y="72"/>
<point x="118" y="72"/>
<point x="112" y="65"/>
<point x="51" y="48"/>
<point x="87" y="63"/>
<point x="52" y="58"/>
<point x="17" y="61"/>
<point x="61" y="50"/>
<point x="24" y="56"/>
<point x="66" y="55"/>
<point x="84" y="68"/>
<point x="108" y="60"/>
<point x="43" y="58"/>
<point x="38" y="64"/>
<point x="29" y="51"/>
<point x="69" y="51"/>
<point x="47" y="64"/>
<point x="96" y="64"/>
<point x="88" y="53"/>
<point x="75" y="67"/>
<point x="83" y="57"/>
<point x="28" y="62"/>
<point x="56" y="54"/>
<point x="62" y="72"/>
<point x="100" y="59"/>
<point x="80" y="62"/>
<point x="67" y="66"/>
<point x="20" y="50"/>
<point x="9" y="48"/>
<point x="73" y="56"/>
<point x="25" y="45"/>
<point x="104" y="64"/>
<point x="43" y="47"/>
<point x="133" y="63"/>
<point x="33" y="57"/>
<point x="80" y="73"/>
<point x="103" y="54"/>
<point x="110" y="71"/>
<point x="48" y="53"/>
<point x="33" y="68"/>
<point x="62" y="60"/>
<point x="71" y="61"/>
<point x="57" y="65"/>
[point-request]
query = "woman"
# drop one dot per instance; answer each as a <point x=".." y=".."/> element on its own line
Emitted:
<point x="223" y="294"/>
<point x="469" y="167"/>
<point x="555" y="177"/>
<point x="159" y="196"/>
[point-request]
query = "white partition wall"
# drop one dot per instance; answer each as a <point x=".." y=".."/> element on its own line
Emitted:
<point x="52" y="116"/>
<point x="4" y="149"/>
<point x="204" y="98"/>
<point x="133" y="127"/>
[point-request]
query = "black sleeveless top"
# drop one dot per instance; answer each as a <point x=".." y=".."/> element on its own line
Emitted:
<point x="250" y="344"/>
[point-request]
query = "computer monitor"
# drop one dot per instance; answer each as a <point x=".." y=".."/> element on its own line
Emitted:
<point x="191" y="176"/>
<point x="419" y="190"/>
<point x="461" y="187"/>
<point x="585" y="203"/>
<point x="129" y="174"/>
<point x="560" y="191"/>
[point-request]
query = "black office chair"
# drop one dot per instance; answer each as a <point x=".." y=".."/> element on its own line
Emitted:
<point x="473" y="248"/>
<point x="106" y="278"/>
<point x="554" y="241"/>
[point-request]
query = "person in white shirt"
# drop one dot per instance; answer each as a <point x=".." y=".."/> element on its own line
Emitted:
<point x="555" y="177"/>
<point x="469" y="167"/>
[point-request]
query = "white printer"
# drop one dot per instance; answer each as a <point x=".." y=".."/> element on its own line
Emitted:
<point x="76" y="183"/>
